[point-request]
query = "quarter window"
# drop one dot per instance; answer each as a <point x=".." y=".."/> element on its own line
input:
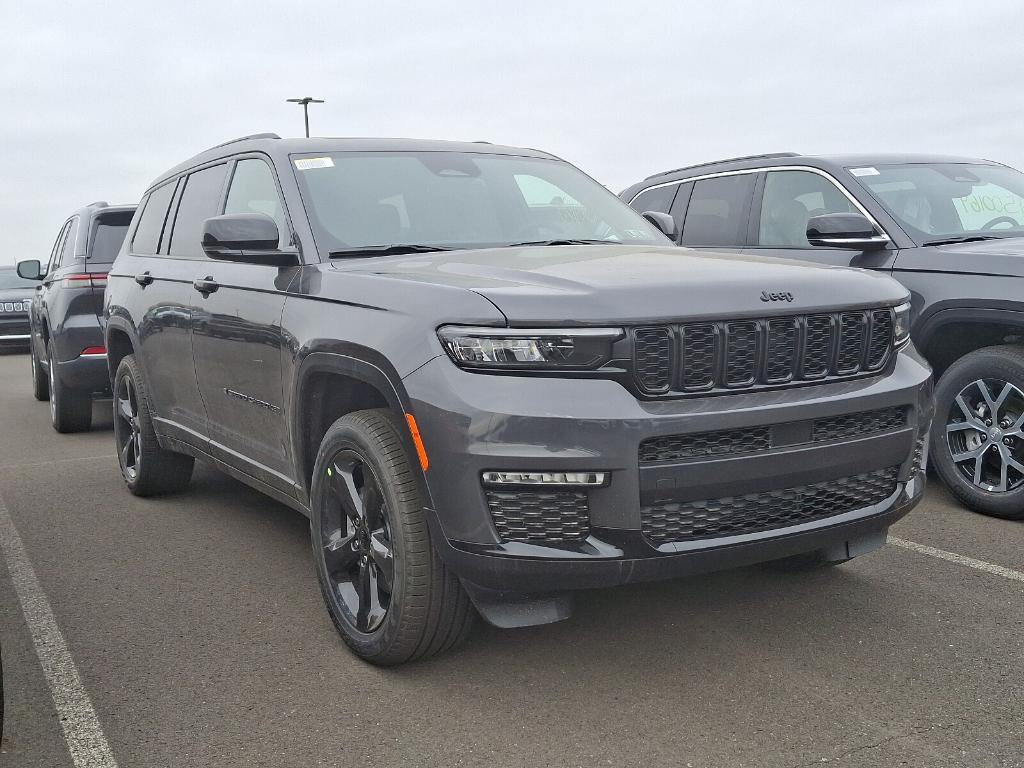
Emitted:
<point x="57" y="247"/>
<point x="254" y="190"/>
<point x="718" y="211"/>
<point x="199" y="202"/>
<point x="67" y="253"/>
<point x="790" y="199"/>
<point x="151" y="222"/>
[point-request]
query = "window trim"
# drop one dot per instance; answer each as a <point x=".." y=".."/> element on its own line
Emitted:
<point x="767" y="169"/>
<point x="141" y="212"/>
<point x="58" y="247"/>
<point x="72" y="236"/>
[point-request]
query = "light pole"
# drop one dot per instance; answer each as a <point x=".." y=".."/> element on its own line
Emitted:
<point x="305" y="101"/>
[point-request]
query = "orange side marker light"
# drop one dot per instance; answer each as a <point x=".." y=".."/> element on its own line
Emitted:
<point x="414" y="430"/>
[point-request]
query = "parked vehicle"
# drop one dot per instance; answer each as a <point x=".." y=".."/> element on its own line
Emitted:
<point x="15" y="300"/>
<point x="950" y="229"/>
<point x="69" y="360"/>
<point x="488" y="382"/>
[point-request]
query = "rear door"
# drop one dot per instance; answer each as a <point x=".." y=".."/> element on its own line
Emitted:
<point x="236" y="331"/>
<point x="156" y="289"/>
<point x="785" y="201"/>
<point x="718" y="212"/>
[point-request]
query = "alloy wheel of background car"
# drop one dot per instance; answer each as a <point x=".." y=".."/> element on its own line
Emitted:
<point x="978" y="432"/>
<point x="983" y="432"/>
<point x="148" y="469"/>
<point x="127" y="432"/>
<point x="356" y="542"/>
<point x="70" y="410"/>
<point x="387" y="591"/>
<point x="40" y="383"/>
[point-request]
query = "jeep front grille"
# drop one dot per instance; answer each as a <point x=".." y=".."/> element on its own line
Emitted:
<point x="733" y="355"/>
<point x="672" y="521"/>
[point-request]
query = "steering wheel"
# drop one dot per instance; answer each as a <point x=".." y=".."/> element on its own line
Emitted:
<point x="1002" y="220"/>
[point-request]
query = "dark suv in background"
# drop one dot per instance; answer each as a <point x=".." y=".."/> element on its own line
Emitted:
<point x="69" y="359"/>
<point x="15" y="302"/>
<point x="489" y="382"/>
<point x="950" y="229"/>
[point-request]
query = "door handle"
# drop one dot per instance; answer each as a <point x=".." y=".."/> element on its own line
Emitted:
<point x="144" y="278"/>
<point x="205" y="285"/>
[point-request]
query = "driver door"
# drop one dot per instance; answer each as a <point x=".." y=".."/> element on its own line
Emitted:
<point x="784" y="201"/>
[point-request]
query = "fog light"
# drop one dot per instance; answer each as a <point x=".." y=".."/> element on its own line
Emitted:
<point x="545" y="478"/>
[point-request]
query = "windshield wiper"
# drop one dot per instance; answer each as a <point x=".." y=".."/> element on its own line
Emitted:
<point x="563" y="241"/>
<point x="964" y="239"/>
<point x="385" y="250"/>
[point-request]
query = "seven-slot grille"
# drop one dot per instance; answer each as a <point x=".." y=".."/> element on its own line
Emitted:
<point x="679" y="521"/>
<point x="730" y="355"/>
<point x="14" y="306"/>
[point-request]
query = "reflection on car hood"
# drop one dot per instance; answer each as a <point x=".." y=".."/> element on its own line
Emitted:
<point x="985" y="257"/>
<point x="622" y="283"/>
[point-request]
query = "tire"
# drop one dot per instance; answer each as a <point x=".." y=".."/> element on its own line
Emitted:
<point x="427" y="610"/>
<point x="147" y="469"/>
<point x="40" y="384"/>
<point x="808" y="561"/>
<point x="954" y="431"/>
<point x="70" y="409"/>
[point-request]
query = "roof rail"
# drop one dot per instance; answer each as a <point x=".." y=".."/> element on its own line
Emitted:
<point x="244" y="138"/>
<point x="98" y="204"/>
<point x="726" y="160"/>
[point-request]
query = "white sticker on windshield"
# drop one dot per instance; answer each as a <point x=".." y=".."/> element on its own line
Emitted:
<point x="864" y="171"/>
<point x="308" y="163"/>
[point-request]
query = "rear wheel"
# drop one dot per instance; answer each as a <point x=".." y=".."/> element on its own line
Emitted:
<point x="389" y="594"/>
<point x="70" y="409"/>
<point x="40" y="384"/>
<point x="148" y="469"/>
<point x="978" y="432"/>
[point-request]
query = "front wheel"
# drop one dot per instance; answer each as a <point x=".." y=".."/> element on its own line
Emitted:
<point x="978" y="432"/>
<point x="148" y="469"/>
<point x="387" y="591"/>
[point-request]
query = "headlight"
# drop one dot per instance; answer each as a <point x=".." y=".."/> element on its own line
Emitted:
<point x="901" y="326"/>
<point x="540" y="348"/>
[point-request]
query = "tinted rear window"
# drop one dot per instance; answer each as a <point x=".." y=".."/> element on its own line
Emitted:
<point x="199" y="201"/>
<point x="151" y="224"/>
<point x="108" y="235"/>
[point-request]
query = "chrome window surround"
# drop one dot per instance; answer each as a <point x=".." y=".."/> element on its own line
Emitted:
<point x="769" y="169"/>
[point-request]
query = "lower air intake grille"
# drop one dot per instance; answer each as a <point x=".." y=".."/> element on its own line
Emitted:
<point x="535" y="517"/>
<point x="756" y="512"/>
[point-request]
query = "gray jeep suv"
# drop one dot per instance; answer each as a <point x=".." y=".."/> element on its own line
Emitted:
<point x="951" y="229"/>
<point x="488" y="382"/>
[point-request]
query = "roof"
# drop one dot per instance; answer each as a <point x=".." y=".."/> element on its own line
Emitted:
<point x="277" y="147"/>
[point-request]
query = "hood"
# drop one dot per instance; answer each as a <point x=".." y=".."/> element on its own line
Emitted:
<point x="16" y="294"/>
<point x="621" y="283"/>
<point x="1004" y="257"/>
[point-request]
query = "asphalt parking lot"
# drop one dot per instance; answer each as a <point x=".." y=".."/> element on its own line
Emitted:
<point x="195" y="628"/>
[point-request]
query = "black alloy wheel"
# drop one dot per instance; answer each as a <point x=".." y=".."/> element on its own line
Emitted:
<point x="127" y="433"/>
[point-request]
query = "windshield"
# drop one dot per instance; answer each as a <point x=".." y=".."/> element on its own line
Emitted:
<point x="949" y="200"/>
<point x="9" y="279"/>
<point x="459" y="200"/>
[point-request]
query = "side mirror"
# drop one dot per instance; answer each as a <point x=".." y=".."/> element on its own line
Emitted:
<point x="250" y="238"/>
<point x="844" y="230"/>
<point x="665" y="223"/>
<point x="30" y="269"/>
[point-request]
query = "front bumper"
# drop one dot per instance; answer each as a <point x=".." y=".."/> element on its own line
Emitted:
<point x="14" y="330"/>
<point x="472" y="423"/>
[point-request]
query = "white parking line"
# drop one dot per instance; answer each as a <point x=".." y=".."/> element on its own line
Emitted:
<point x="82" y="732"/>
<point x="970" y="562"/>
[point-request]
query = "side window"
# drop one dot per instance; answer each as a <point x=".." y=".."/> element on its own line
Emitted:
<point x="199" y="201"/>
<point x="717" y="214"/>
<point x="253" y="190"/>
<point x="57" y="248"/>
<point x="657" y="199"/>
<point x="680" y="204"/>
<point x="790" y="199"/>
<point x="151" y="222"/>
<point x="67" y="252"/>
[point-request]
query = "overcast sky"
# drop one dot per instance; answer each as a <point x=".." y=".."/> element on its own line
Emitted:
<point x="100" y="98"/>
